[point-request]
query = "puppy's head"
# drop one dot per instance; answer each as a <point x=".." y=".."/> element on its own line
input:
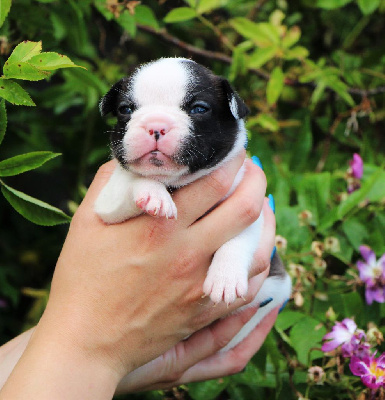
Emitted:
<point x="175" y="118"/>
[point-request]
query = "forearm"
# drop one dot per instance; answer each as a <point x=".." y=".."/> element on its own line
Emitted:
<point x="50" y="368"/>
<point x="10" y="354"/>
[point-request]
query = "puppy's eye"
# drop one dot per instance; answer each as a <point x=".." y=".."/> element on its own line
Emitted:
<point x="199" y="108"/>
<point x="125" y="110"/>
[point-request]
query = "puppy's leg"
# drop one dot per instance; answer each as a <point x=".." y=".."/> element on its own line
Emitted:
<point x="115" y="202"/>
<point x="227" y="277"/>
<point x="275" y="289"/>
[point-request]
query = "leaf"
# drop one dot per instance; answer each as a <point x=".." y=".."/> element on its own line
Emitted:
<point x="5" y="6"/>
<point x="261" y="56"/>
<point x="127" y="22"/>
<point x="33" y="209"/>
<point x="24" y="70"/>
<point x="3" y="120"/>
<point x="267" y="121"/>
<point x="262" y="34"/>
<point x="24" y="51"/>
<point x="332" y="4"/>
<point x="305" y="335"/>
<point x="25" y="162"/>
<point x="291" y="37"/>
<point x="303" y="144"/>
<point x="356" y="232"/>
<point x="50" y="61"/>
<point x="180" y="14"/>
<point x="314" y="194"/>
<point x="275" y="85"/>
<point x="287" y="319"/>
<point x="205" y="6"/>
<point x="145" y="16"/>
<point x="297" y="52"/>
<point x="14" y="93"/>
<point x="368" y="6"/>
<point x="208" y="390"/>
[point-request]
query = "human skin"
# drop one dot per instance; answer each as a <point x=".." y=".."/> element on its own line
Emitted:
<point x="122" y="295"/>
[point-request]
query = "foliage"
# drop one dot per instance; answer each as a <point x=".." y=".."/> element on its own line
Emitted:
<point x="311" y="73"/>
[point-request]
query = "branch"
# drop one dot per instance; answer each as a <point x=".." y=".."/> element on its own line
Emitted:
<point x="217" y="56"/>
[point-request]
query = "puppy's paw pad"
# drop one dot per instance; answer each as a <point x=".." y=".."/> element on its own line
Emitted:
<point x="159" y="204"/>
<point x="225" y="288"/>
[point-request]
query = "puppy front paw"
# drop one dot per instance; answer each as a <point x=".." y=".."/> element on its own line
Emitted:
<point x="223" y="285"/>
<point x="156" y="201"/>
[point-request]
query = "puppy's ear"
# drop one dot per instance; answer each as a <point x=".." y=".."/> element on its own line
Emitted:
<point x="237" y="107"/>
<point x="109" y="102"/>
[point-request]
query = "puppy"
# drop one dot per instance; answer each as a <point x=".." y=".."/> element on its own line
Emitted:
<point x="176" y="122"/>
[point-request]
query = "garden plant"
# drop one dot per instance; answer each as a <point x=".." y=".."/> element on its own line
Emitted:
<point x="313" y="75"/>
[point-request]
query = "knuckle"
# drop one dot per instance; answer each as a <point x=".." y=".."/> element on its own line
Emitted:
<point x="249" y="209"/>
<point x="237" y="365"/>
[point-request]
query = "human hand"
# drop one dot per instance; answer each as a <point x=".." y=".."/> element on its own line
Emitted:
<point x="124" y="294"/>
<point x="198" y="358"/>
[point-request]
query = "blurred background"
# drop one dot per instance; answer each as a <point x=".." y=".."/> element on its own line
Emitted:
<point x="312" y="73"/>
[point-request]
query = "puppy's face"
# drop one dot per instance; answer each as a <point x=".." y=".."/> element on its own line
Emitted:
<point x="174" y="118"/>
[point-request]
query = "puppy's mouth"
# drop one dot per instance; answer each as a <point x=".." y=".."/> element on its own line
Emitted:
<point x="154" y="158"/>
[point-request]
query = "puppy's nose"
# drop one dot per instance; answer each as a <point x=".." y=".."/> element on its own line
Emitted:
<point x="157" y="128"/>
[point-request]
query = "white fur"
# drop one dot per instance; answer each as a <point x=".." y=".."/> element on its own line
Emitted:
<point x="129" y="192"/>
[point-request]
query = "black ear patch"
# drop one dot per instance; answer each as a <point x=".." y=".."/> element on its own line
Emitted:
<point x="237" y="107"/>
<point x="109" y="103"/>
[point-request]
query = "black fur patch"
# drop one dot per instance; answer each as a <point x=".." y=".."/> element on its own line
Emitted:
<point x="213" y="133"/>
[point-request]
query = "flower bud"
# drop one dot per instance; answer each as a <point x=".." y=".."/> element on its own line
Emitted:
<point x="332" y="244"/>
<point x="316" y="375"/>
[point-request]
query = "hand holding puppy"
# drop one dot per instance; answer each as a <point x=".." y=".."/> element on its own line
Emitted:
<point x="124" y="294"/>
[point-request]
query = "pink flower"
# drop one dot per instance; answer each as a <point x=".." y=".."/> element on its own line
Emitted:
<point x="370" y="369"/>
<point x="355" y="172"/>
<point x="356" y="166"/>
<point x="372" y="273"/>
<point x="343" y="333"/>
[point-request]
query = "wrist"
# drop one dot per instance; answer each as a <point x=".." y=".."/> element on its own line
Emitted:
<point x="53" y="366"/>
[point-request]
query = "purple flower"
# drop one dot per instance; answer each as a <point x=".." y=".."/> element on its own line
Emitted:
<point x="370" y="369"/>
<point x="3" y="303"/>
<point x="356" y="166"/>
<point x="372" y="273"/>
<point x="355" y="172"/>
<point x="343" y="333"/>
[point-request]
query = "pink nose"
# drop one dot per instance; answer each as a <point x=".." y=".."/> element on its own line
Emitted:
<point x="157" y="128"/>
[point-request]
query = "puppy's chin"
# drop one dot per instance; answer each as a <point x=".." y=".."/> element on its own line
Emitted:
<point x="157" y="165"/>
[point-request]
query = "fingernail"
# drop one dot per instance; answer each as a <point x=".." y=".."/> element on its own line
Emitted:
<point x="271" y="202"/>
<point x="283" y="306"/>
<point x="265" y="302"/>
<point x="246" y="143"/>
<point x="257" y="161"/>
<point x="273" y="252"/>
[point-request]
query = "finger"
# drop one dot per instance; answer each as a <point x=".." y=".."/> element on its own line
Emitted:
<point x="195" y="199"/>
<point x="234" y="360"/>
<point x="262" y="256"/>
<point x="235" y="213"/>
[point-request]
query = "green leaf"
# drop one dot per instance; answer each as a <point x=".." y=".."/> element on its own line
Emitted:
<point x="296" y="53"/>
<point x="314" y="194"/>
<point x="205" y="6"/>
<point x="355" y="231"/>
<point x="24" y="51"/>
<point x="180" y="14"/>
<point x="208" y="390"/>
<point x="266" y="121"/>
<point x="33" y="209"/>
<point x="305" y="335"/>
<point x="25" y="162"/>
<point x="127" y="22"/>
<point x="261" y="56"/>
<point x="145" y="16"/>
<point x="3" y="120"/>
<point x="14" y="93"/>
<point x="5" y="6"/>
<point x="303" y="144"/>
<point x="287" y="319"/>
<point x="50" y="61"/>
<point x="368" y="6"/>
<point x="24" y="70"/>
<point x="262" y="34"/>
<point x="275" y="85"/>
<point x="332" y="4"/>
<point x="291" y="37"/>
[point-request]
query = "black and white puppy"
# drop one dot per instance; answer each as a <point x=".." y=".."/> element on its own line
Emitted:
<point x="176" y="122"/>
